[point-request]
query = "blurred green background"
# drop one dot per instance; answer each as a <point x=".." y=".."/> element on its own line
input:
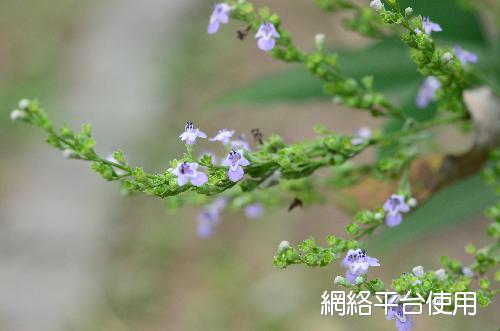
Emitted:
<point x="75" y="255"/>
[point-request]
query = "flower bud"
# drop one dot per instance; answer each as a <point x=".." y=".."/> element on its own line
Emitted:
<point x="447" y="57"/>
<point x="377" y="5"/>
<point x="418" y="271"/>
<point x="339" y="280"/>
<point x="412" y="202"/>
<point x="408" y="11"/>
<point x="283" y="245"/>
<point x="24" y="104"/>
<point x="467" y="271"/>
<point x="68" y="153"/>
<point x="378" y="216"/>
<point x="440" y="274"/>
<point x="319" y="40"/>
<point x="17" y="115"/>
<point x="359" y="280"/>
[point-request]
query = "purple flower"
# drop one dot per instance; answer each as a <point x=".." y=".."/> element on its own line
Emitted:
<point x="394" y="206"/>
<point x="361" y="136"/>
<point x="357" y="263"/>
<point x="209" y="217"/>
<point x="266" y="36"/>
<point x="467" y="272"/>
<point x="403" y="322"/>
<point x="235" y="160"/>
<point x="241" y="143"/>
<point x="427" y="92"/>
<point x="191" y="133"/>
<point x="464" y="56"/>
<point x="220" y="15"/>
<point x="253" y="210"/>
<point x="429" y="26"/>
<point x="223" y="136"/>
<point x="188" y="172"/>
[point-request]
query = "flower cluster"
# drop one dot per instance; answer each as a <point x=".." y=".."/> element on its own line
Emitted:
<point x="266" y="35"/>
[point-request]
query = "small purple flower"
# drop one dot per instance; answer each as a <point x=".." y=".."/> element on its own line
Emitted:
<point x="188" y="172"/>
<point x="235" y="160"/>
<point x="467" y="272"/>
<point x="223" y="136"/>
<point x="361" y="136"/>
<point x="394" y="207"/>
<point x="241" y="143"/>
<point x="220" y="15"/>
<point x="429" y="26"/>
<point x="209" y="217"/>
<point x="267" y="36"/>
<point x="427" y="92"/>
<point x="253" y="210"/>
<point x="403" y="322"/>
<point x="191" y="133"/>
<point x="464" y="56"/>
<point x="357" y="263"/>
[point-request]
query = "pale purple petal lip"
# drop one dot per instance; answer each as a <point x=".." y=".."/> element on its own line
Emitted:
<point x="235" y="175"/>
<point x="200" y="179"/>
<point x="266" y="44"/>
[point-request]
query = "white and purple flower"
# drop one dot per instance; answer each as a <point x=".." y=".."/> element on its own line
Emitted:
<point x="188" y="172"/>
<point x="209" y="217"/>
<point x="403" y="322"/>
<point x="266" y="36"/>
<point x="235" y="160"/>
<point x="220" y="15"/>
<point x="427" y="92"/>
<point x="357" y="263"/>
<point x="394" y="207"/>
<point x="361" y="136"/>
<point x="464" y="56"/>
<point x="430" y="26"/>
<point x="191" y="133"/>
<point x="376" y="5"/>
<point x="253" y="210"/>
<point x="467" y="272"/>
<point x="224" y="136"/>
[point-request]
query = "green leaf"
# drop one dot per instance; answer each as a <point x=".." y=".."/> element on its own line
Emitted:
<point x="388" y="62"/>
